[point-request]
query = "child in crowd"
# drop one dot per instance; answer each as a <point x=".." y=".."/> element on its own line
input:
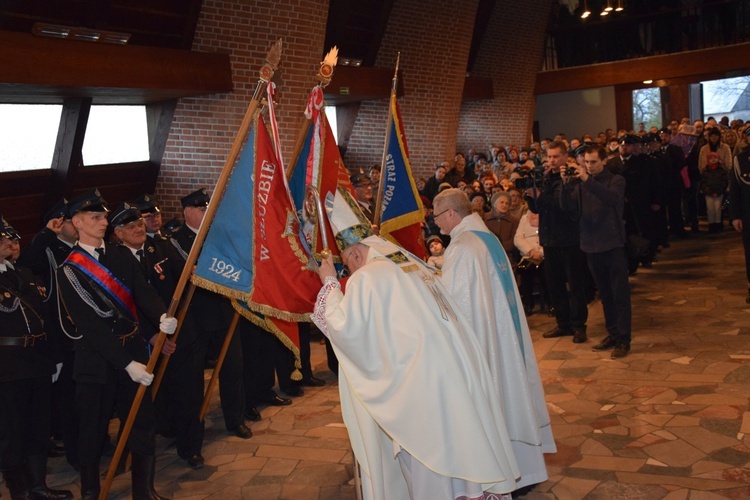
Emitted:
<point x="435" y="246"/>
<point x="714" y="183"/>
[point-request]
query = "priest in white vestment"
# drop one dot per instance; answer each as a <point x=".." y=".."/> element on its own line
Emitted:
<point x="423" y="417"/>
<point x="478" y="275"/>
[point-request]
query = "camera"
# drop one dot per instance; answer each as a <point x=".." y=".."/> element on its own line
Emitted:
<point x="530" y="179"/>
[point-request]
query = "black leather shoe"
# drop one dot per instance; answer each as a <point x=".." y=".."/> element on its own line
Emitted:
<point x="579" y="336"/>
<point x="607" y="343"/>
<point x="312" y="382"/>
<point x="196" y="461"/>
<point x="252" y="414"/>
<point x="557" y="332"/>
<point x="277" y="401"/>
<point x="294" y="391"/>
<point x="241" y="431"/>
<point x="621" y="350"/>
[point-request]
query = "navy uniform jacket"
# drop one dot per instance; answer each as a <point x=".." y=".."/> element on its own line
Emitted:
<point x="210" y="311"/>
<point x="43" y="255"/>
<point x="20" y="315"/>
<point x="162" y="271"/>
<point x="99" y="353"/>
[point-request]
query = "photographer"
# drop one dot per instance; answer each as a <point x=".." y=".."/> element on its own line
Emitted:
<point x="565" y="264"/>
<point x="598" y="197"/>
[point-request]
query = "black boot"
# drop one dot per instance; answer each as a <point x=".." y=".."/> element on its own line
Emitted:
<point x="36" y="471"/>
<point x="16" y="485"/>
<point x="90" y="482"/>
<point x="142" y="477"/>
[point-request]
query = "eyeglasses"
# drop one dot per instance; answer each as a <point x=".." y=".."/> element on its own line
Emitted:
<point x="441" y="213"/>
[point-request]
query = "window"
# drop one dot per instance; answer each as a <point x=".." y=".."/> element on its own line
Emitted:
<point x="28" y="133"/>
<point x="728" y="97"/>
<point x="331" y="116"/>
<point x="647" y="108"/>
<point x="116" y="134"/>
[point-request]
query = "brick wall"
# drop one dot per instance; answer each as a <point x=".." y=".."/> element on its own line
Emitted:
<point x="511" y="55"/>
<point x="204" y="128"/>
<point x="434" y="38"/>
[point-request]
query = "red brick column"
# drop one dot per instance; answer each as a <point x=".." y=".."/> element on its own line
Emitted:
<point x="434" y="38"/>
<point x="204" y="128"/>
<point x="511" y="55"/>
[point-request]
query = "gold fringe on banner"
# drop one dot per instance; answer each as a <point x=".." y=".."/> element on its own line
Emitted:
<point x="271" y="328"/>
<point x="216" y="288"/>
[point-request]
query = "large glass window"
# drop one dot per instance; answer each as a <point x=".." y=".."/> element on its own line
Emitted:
<point x="647" y="108"/>
<point x="728" y="97"/>
<point x="116" y="134"/>
<point x="28" y="133"/>
<point x="331" y="116"/>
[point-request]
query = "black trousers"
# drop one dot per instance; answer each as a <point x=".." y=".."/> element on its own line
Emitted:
<point x="746" y="246"/>
<point x="95" y="403"/>
<point x="180" y="397"/>
<point x="24" y="419"/>
<point x="610" y="272"/>
<point x="266" y="355"/>
<point x="566" y="274"/>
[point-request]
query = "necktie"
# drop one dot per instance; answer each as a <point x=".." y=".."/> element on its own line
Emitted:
<point x="99" y="253"/>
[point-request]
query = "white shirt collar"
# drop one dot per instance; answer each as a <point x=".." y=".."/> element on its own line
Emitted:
<point x="91" y="249"/>
<point x="5" y="265"/>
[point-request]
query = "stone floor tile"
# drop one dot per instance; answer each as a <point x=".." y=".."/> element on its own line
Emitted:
<point x="683" y="421"/>
<point x="703" y="439"/>
<point x="573" y="488"/>
<point x="692" y="483"/>
<point x="609" y="463"/>
<point x="278" y="467"/>
<point x="595" y="448"/>
<point x="676" y="453"/>
<point x="679" y="494"/>
<point x="300" y="453"/>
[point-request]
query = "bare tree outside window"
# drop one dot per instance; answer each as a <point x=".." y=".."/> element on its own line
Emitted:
<point x="647" y="108"/>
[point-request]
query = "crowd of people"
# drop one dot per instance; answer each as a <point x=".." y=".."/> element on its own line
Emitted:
<point x="670" y="177"/>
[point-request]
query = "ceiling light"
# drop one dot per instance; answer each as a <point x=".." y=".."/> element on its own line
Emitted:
<point x="619" y="7"/>
<point x="648" y="82"/>
<point x="78" y="33"/>
<point x="608" y="8"/>
<point x="586" y="12"/>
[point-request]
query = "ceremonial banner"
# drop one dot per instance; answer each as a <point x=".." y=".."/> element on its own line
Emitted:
<point x="286" y="331"/>
<point x="319" y="164"/>
<point x="402" y="211"/>
<point x="253" y="252"/>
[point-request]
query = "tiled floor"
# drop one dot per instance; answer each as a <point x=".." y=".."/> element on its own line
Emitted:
<point x="669" y="421"/>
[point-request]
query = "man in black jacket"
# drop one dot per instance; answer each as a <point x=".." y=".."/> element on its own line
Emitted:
<point x="565" y="264"/>
<point x="105" y="293"/>
<point x="599" y="200"/>
<point x="208" y="320"/>
<point x="47" y="250"/>
<point x="26" y="371"/>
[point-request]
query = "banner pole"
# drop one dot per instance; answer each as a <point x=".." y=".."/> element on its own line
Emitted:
<point x="383" y="173"/>
<point x="266" y="73"/>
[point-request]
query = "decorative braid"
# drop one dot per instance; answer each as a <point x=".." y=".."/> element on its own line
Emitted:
<point x="16" y="302"/>
<point x="84" y="294"/>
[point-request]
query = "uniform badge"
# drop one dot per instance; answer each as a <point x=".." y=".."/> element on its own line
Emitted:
<point x="6" y="295"/>
<point x="161" y="277"/>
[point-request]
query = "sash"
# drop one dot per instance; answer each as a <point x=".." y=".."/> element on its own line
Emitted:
<point x="502" y="266"/>
<point x="88" y="265"/>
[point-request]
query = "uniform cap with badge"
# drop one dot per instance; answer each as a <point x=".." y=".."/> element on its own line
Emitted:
<point x="198" y="198"/>
<point x="147" y="204"/>
<point x="90" y="201"/>
<point x="124" y="214"/>
<point x="59" y="209"/>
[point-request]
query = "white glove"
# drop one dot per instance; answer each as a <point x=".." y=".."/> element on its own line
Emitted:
<point x="167" y="324"/>
<point x="56" y="375"/>
<point x="138" y="373"/>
